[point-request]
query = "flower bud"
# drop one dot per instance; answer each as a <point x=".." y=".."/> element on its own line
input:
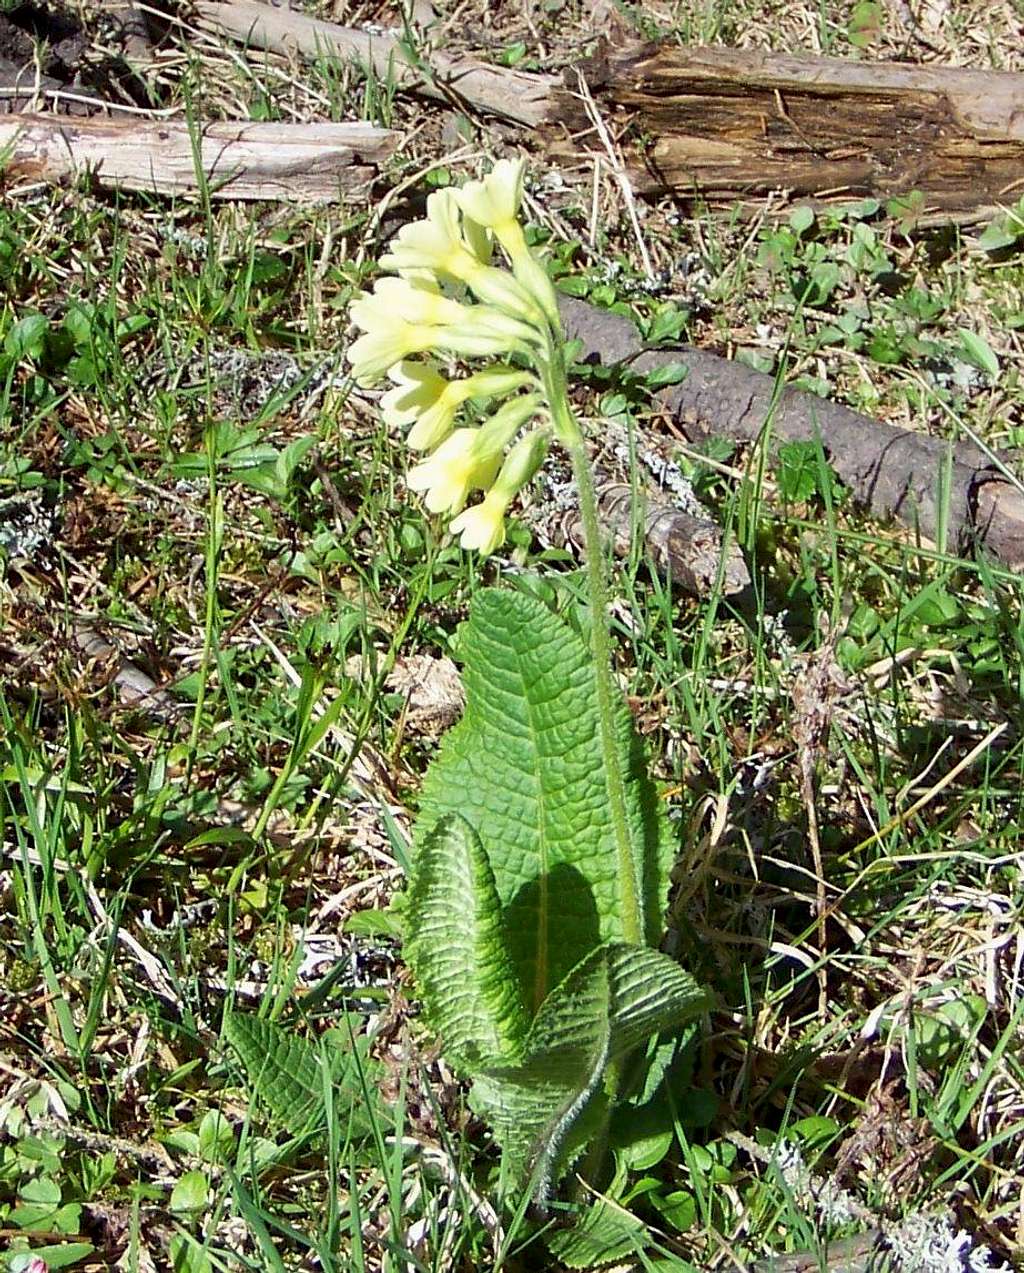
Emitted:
<point x="522" y="463"/>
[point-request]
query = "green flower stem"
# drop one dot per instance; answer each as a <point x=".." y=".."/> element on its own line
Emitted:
<point x="568" y="432"/>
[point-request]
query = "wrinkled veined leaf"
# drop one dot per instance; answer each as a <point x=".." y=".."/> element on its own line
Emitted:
<point x="524" y="767"/>
<point x="617" y="998"/>
<point x="287" y="1074"/>
<point x="458" y="949"/>
<point x="603" y="1234"/>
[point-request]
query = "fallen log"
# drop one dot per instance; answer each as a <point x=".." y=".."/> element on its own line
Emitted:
<point x="531" y="100"/>
<point x="302" y="163"/>
<point x="732" y="124"/>
<point x="889" y="471"/>
<point x="728" y="124"/>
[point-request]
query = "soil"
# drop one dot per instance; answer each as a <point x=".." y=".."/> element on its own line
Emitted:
<point x="45" y="48"/>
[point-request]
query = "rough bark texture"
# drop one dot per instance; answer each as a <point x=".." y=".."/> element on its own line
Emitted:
<point x="527" y="99"/>
<point x="732" y="123"/>
<point x="303" y="163"/>
<point x="891" y="472"/>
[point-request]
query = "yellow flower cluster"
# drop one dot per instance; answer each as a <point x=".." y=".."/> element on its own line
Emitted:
<point x="449" y="298"/>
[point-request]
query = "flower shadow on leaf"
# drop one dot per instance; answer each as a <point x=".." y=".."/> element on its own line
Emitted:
<point x="563" y="891"/>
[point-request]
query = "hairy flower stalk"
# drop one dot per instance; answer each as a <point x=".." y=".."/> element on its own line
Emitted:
<point x="442" y="263"/>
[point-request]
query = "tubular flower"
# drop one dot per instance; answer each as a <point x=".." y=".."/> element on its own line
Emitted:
<point x="483" y="526"/>
<point x="440" y="245"/>
<point x="421" y="398"/>
<point x="494" y="203"/>
<point x="373" y="354"/>
<point x="401" y="317"/>
<point x="469" y="458"/>
<point x="429" y="402"/>
<point x="414" y="300"/>
<point x="450" y="298"/>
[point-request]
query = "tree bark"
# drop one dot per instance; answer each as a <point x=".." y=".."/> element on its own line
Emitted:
<point x="891" y="472"/>
<point x="301" y="163"/>
<point x="733" y="124"/>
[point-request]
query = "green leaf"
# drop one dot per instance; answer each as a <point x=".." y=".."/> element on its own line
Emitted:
<point x="907" y="209"/>
<point x="1004" y="231"/>
<point x="287" y="1074"/>
<point x="376" y="923"/>
<point x="27" y="337"/>
<point x="604" y="1234"/>
<point x="524" y="767"/>
<point x="46" y="1192"/>
<point x="459" y="949"/>
<point x="679" y="1208"/>
<point x="572" y="285"/>
<point x="62" y="1256"/>
<point x="216" y="1137"/>
<point x="670" y="373"/>
<point x="616" y="998"/>
<point x="190" y="1193"/>
<point x="801" y="219"/>
<point x="865" y="25"/>
<point x="937" y="607"/>
<point x="799" y="474"/>
<point x="977" y="351"/>
<point x="667" y="324"/>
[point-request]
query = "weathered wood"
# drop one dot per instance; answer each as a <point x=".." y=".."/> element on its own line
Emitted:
<point x="302" y="163"/>
<point x="891" y="472"/>
<point x="731" y="124"/>
<point x="642" y="495"/>
<point x="527" y="99"/>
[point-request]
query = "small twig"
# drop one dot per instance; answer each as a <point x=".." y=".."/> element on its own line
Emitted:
<point x="618" y="168"/>
<point x="62" y="95"/>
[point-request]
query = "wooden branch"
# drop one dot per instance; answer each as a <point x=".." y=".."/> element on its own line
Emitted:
<point x="301" y="163"/>
<point x="731" y="124"/>
<point x="891" y="472"/>
<point x="527" y="99"/>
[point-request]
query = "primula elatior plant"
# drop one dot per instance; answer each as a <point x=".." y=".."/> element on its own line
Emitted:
<point x="541" y="864"/>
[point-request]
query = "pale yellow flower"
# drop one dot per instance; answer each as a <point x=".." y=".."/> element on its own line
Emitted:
<point x="494" y="202"/>
<point x="438" y="244"/>
<point x="478" y="240"/>
<point x="402" y="317"/>
<point x="422" y="398"/>
<point x="378" y="350"/>
<point x="454" y="469"/>
<point x="429" y="402"/>
<point x="413" y="300"/>
<point x="468" y="459"/>
<point x="482" y="527"/>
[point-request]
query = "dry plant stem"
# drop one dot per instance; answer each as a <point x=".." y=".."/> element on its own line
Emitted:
<point x="809" y="792"/>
